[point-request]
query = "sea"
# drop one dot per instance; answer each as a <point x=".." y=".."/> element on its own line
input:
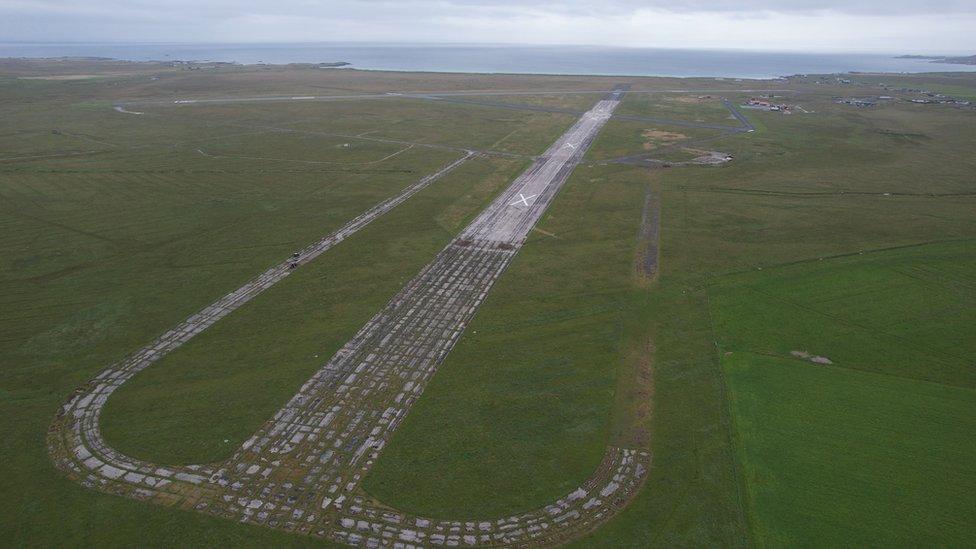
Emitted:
<point x="489" y="58"/>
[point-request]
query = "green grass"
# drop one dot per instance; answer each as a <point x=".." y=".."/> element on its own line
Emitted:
<point x="95" y="264"/>
<point x="625" y="138"/>
<point x="101" y="252"/>
<point x="691" y="497"/>
<point x="429" y="122"/>
<point x="689" y="107"/>
<point x="572" y="101"/>
<point x="165" y="413"/>
<point x="801" y="189"/>
<point x="520" y="412"/>
<point x="960" y="85"/>
<point x="907" y="312"/>
<point x="837" y="457"/>
<point x="869" y="451"/>
<point x="503" y="427"/>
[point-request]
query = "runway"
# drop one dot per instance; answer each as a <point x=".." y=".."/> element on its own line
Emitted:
<point x="301" y="470"/>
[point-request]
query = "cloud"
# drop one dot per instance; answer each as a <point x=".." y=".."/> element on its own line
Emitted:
<point x="614" y="7"/>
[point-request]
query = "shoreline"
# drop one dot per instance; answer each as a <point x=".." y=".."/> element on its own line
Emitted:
<point x="342" y="65"/>
<point x="509" y="60"/>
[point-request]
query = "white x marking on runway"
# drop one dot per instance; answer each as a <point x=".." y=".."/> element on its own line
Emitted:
<point x="523" y="199"/>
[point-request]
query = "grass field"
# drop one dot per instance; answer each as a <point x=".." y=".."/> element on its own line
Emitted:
<point x="905" y="312"/>
<point x="689" y="107"/>
<point x="520" y="411"/>
<point x="846" y="233"/>
<point x="316" y="312"/>
<point x="834" y="456"/>
<point x="625" y="137"/>
<point x="881" y="433"/>
<point x="851" y="240"/>
<point x="571" y="101"/>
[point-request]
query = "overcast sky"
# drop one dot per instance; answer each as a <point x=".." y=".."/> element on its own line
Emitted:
<point x="890" y="26"/>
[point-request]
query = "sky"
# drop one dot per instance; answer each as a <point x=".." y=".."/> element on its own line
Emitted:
<point x="888" y="26"/>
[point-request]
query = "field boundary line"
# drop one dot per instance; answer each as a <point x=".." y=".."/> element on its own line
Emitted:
<point x="843" y="255"/>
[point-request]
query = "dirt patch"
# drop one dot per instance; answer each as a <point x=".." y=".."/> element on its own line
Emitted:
<point x="64" y="77"/>
<point x="547" y="233"/>
<point x="811" y="357"/>
<point x="635" y="399"/>
<point x="647" y="237"/>
<point x="658" y="137"/>
<point x="695" y="99"/>
<point x="709" y="157"/>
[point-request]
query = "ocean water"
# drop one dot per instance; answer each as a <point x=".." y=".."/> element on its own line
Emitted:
<point x="501" y="58"/>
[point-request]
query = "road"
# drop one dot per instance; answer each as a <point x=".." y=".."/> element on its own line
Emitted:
<point x="541" y="108"/>
<point x="301" y="470"/>
<point x="458" y="97"/>
<point x="425" y="94"/>
<point x="743" y="121"/>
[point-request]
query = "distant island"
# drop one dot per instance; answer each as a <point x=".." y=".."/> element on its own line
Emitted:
<point x="965" y="60"/>
<point x="330" y="65"/>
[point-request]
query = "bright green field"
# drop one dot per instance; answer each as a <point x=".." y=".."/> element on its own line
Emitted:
<point x="838" y="457"/>
<point x="869" y="451"/>
<point x="908" y="312"/>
